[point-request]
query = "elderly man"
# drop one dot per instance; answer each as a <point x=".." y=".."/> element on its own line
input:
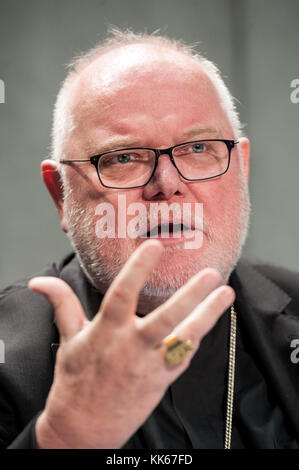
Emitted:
<point x="145" y="120"/>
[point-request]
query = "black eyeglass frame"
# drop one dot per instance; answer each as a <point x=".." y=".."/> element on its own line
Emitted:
<point x="94" y="160"/>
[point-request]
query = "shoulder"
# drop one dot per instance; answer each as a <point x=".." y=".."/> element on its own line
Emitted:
<point x="19" y="292"/>
<point x="18" y="304"/>
<point x="19" y="287"/>
<point x="267" y="285"/>
<point x="285" y="278"/>
<point x="26" y="317"/>
<point x="27" y="331"/>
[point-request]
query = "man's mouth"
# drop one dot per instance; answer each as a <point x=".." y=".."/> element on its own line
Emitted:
<point x="167" y="230"/>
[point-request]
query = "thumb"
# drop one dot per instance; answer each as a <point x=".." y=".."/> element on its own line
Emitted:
<point x="68" y="311"/>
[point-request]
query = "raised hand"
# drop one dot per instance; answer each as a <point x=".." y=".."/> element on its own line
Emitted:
<point x="111" y="372"/>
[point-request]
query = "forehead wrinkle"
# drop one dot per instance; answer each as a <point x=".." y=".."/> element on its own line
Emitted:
<point x="126" y="135"/>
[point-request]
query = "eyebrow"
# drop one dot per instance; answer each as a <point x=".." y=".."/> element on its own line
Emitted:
<point x="213" y="131"/>
<point x="114" y="144"/>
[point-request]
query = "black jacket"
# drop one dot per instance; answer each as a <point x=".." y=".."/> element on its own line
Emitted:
<point x="267" y="301"/>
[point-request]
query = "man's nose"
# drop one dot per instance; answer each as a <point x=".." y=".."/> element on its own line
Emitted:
<point x="166" y="181"/>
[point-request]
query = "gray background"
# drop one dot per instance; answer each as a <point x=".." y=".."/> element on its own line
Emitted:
<point x="254" y="42"/>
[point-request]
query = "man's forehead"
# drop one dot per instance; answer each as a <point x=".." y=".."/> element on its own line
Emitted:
<point x="136" y="65"/>
<point x="151" y="91"/>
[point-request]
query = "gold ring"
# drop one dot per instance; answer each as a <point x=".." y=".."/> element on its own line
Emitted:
<point x="177" y="349"/>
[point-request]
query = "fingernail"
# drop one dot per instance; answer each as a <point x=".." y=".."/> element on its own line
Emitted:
<point x="228" y="294"/>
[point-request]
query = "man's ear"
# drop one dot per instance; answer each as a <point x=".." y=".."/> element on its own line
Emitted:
<point x="245" y="155"/>
<point x="53" y="182"/>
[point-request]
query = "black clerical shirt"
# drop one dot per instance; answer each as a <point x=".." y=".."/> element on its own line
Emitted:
<point x="192" y="413"/>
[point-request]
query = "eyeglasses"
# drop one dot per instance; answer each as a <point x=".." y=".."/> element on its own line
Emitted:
<point x="134" y="167"/>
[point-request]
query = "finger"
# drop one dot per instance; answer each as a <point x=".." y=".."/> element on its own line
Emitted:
<point x="197" y="325"/>
<point x="68" y="312"/>
<point x="205" y="316"/>
<point x="161" y="322"/>
<point x="121" y="298"/>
